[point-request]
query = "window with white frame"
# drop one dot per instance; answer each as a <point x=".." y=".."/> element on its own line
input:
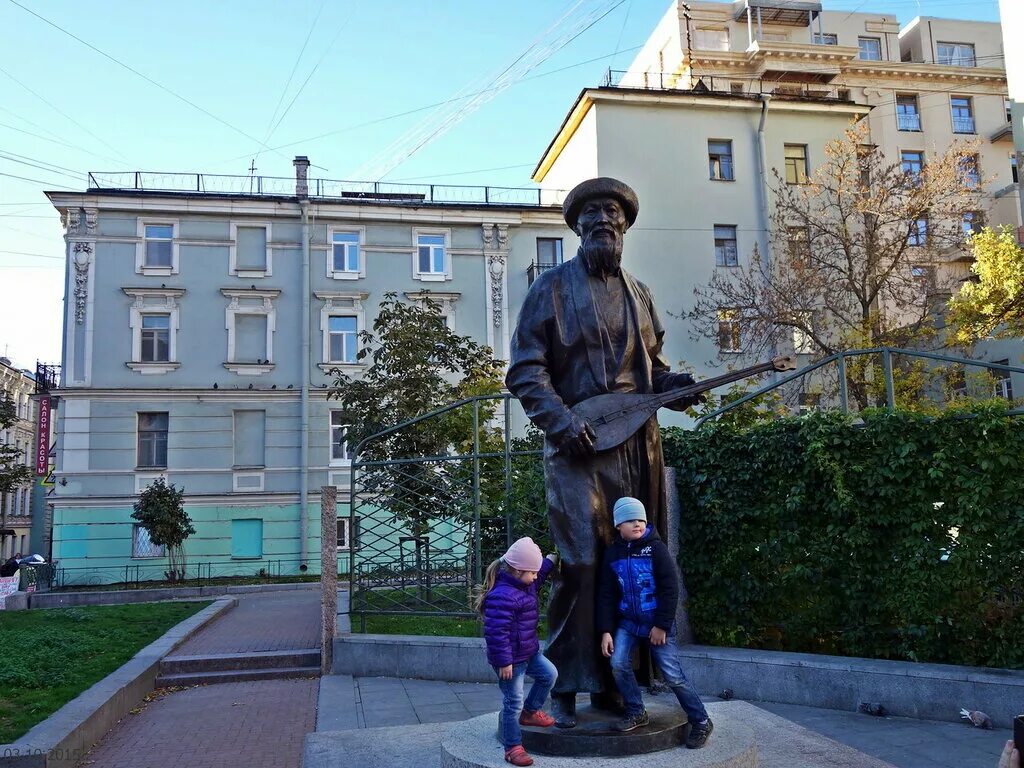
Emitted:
<point x="432" y="261"/>
<point x="143" y="546"/>
<point x="339" y="439"/>
<point x="870" y="48"/>
<point x="346" y="257"/>
<point x="443" y="301"/>
<point x="249" y="254"/>
<point x="711" y="39"/>
<point x="826" y="38"/>
<point x="962" y="109"/>
<point x="250" y="320"/>
<point x="956" y="54"/>
<point x="152" y="440"/>
<point x="157" y="249"/>
<point x="348" y="538"/>
<point x="342" y="338"/>
<point x="154" y="319"/>
<point x="720" y="159"/>
<point x="726" y="253"/>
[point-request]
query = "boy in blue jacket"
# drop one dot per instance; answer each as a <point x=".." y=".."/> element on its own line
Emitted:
<point x="636" y="602"/>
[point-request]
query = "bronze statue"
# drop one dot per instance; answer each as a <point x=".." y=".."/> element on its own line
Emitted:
<point x="588" y="328"/>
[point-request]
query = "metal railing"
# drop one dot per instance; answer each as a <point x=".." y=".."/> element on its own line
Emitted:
<point x="659" y="81"/>
<point x="281" y="186"/>
<point x="840" y="360"/>
<point x="908" y="122"/>
<point x="143" y="575"/>
<point x="963" y="125"/>
<point x="535" y="270"/>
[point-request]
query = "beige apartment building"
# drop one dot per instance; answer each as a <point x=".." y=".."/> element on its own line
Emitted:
<point x="723" y="93"/>
<point x="16" y="507"/>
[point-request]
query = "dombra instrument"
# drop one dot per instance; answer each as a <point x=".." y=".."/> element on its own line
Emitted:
<point x="616" y="417"/>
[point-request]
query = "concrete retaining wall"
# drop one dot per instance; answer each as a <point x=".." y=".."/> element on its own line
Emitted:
<point x="119" y="596"/>
<point x="931" y="691"/>
<point x="64" y="737"/>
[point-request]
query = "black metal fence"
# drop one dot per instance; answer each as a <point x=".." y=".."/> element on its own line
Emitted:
<point x="154" y="574"/>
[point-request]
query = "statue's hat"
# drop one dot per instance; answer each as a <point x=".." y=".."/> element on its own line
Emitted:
<point x="603" y="186"/>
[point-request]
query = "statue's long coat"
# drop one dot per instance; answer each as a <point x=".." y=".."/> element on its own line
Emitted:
<point x="562" y="355"/>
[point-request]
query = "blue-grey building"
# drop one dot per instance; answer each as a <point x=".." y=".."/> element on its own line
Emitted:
<point x="202" y="315"/>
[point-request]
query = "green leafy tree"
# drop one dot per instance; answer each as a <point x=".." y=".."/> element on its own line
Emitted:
<point x="14" y="473"/>
<point x="992" y="303"/>
<point x="161" y="512"/>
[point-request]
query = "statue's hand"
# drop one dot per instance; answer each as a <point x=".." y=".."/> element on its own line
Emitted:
<point x="579" y="442"/>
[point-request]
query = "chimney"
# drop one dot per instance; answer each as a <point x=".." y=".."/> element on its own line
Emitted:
<point x="301" y="163"/>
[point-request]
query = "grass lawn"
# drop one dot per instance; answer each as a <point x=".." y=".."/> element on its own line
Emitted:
<point x="48" y="657"/>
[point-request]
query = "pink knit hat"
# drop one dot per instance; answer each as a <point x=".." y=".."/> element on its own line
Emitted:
<point x="524" y="555"/>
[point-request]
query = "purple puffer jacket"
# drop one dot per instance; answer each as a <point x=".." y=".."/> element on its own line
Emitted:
<point x="511" y="614"/>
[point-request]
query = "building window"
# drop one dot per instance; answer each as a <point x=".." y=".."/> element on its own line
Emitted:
<point x="711" y="39"/>
<point x="956" y="54"/>
<point x="339" y="440"/>
<point x="156" y="338"/>
<point x="1013" y="168"/>
<point x="346" y="259"/>
<point x="157" y="249"/>
<point x="971" y="222"/>
<point x="963" y="114"/>
<point x="250" y="320"/>
<point x="250" y="438"/>
<point x="736" y="88"/>
<point x="803" y="344"/>
<point x="908" y="117"/>
<point x="343" y="338"/>
<point x="153" y="318"/>
<point x="726" y="254"/>
<point x="348" y="538"/>
<point x="918" y="235"/>
<point x="249" y="253"/>
<point x="798" y="245"/>
<point x="1004" y="382"/>
<point x="728" y="330"/>
<point x="925" y="278"/>
<point x="152" y="440"/>
<point x="971" y="170"/>
<point x="870" y="48"/>
<point x="549" y="251"/>
<point x="247" y="538"/>
<point x="720" y="159"/>
<point x="796" y="163"/>
<point x="912" y="163"/>
<point x="142" y="545"/>
<point x="825" y="38"/>
<point x="431" y="258"/>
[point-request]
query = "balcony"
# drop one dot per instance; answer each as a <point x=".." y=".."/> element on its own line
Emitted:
<point x="535" y="270"/>
<point x="908" y="122"/>
<point x="963" y="125"/>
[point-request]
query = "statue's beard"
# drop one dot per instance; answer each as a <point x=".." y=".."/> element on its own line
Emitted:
<point x="602" y="256"/>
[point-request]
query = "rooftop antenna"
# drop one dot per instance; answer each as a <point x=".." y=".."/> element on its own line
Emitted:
<point x="252" y="174"/>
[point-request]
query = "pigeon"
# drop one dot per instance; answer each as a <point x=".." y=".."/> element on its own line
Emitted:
<point x="726" y="695"/>
<point x="977" y="718"/>
<point x="872" y="708"/>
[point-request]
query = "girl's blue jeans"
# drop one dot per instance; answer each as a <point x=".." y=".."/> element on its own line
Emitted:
<point x="667" y="658"/>
<point x="544" y="674"/>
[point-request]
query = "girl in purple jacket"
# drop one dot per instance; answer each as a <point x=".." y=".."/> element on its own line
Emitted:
<point x="508" y="603"/>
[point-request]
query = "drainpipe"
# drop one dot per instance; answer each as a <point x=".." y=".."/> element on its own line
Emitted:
<point x="302" y="193"/>
<point x="762" y="172"/>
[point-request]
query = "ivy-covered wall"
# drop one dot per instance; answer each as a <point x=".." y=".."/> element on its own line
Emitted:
<point x="898" y="538"/>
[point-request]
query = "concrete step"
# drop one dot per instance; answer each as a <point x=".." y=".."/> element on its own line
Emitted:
<point x="223" y="662"/>
<point x="235" y="676"/>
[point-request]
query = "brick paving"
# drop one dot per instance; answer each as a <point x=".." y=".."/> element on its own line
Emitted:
<point x="232" y="725"/>
<point x="262" y="621"/>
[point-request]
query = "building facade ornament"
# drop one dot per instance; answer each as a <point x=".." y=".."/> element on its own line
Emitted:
<point x="91" y="220"/>
<point x="82" y="257"/>
<point x="72" y="220"/>
<point x="496" y="267"/>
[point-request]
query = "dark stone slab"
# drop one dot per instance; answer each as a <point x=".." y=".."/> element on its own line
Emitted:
<point x="593" y="735"/>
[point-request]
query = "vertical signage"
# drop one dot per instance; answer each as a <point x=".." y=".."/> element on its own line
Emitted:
<point x="43" y="438"/>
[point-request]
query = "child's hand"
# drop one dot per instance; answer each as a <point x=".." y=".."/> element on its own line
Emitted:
<point x="657" y="636"/>
<point x="1010" y="757"/>
<point x="607" y="645"/>
<point x="505" y="673"/>
<point x="553" y="557"/>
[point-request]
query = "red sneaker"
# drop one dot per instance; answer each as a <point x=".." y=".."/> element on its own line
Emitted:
<point x="539" y="718"/>
<point x="517" y="756"/>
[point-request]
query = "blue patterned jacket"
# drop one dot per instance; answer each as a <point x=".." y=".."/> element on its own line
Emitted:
<point x="639" y="586"/>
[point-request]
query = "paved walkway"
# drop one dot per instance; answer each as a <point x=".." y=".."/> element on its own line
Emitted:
<point x="230" y="725"/>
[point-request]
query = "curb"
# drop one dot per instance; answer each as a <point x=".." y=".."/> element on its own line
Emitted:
<point x="119" y="596"/>
<point x="904" y="688"/>
<point x="64" y="737"/>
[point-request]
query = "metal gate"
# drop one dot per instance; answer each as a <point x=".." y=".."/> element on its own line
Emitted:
<point x="424" y="524"/>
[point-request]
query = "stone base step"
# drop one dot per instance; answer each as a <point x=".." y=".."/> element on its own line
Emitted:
<point x="235" y="676"/>
<point x="222" y="662"/>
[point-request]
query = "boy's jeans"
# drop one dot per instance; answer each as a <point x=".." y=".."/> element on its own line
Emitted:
<point x="544" y="674"/>
<point x="667" y="658"/>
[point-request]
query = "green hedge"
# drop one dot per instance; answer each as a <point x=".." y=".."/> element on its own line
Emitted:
<point x="897" y="538"/>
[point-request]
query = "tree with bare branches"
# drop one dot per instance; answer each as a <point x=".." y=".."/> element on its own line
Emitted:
<point x="857" y="250"/>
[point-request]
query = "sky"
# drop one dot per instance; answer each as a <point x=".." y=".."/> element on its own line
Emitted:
<point x="217" y="87"/>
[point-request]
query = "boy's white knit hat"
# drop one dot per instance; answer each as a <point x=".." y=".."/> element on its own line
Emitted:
<point x="524" y="555"/>
<point x="627" y="508"/>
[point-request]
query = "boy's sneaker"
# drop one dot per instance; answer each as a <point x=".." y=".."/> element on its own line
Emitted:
<point x="629" y="722"/>
<point x="699" y="733"/>
<point x="518" y="756"/>
<point x="538" y="718"/>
